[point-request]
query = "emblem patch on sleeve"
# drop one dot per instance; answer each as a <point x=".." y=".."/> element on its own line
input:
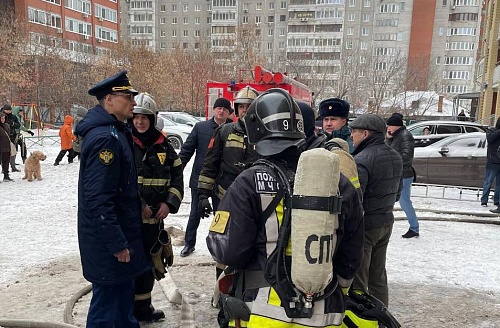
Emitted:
<point x="265" y="183"/>
<point x="106" y="156"/>
<point x="219" y="221"/>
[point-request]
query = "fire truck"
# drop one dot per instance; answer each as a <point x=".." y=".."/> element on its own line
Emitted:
<point x="262" y="81"/>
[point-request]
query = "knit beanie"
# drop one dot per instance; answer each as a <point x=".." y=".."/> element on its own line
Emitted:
<point x="395" y="120"/>
<point x="223" y="102"/>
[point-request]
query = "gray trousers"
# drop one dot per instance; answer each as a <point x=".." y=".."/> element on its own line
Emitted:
<point x="371" y="276"/>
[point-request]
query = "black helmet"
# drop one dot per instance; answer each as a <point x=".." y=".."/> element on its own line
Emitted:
<point x="274" y="122"/>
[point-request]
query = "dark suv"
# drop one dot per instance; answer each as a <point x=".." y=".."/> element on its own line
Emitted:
<point x="428" y="132"/>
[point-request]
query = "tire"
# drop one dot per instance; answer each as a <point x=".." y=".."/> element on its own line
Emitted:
<point x="175" y="140"/>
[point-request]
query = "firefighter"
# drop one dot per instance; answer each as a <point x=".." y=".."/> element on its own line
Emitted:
<point x="245" y="229"/>
<point x="161" y="187"/>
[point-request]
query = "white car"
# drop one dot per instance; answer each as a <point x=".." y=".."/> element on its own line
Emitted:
<point x="180" y="117"/>
<point x="176" y="133"/>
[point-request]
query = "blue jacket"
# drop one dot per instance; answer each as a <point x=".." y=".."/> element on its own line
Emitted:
<point x="109" y="208"/>
<point x="198" y="141"/>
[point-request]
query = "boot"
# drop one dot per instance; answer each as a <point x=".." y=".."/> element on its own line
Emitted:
<point x="150" y="314"/>
<point x="56" y="163"/>
<point x="6" y="177"/>
<point x="59" y="157"/>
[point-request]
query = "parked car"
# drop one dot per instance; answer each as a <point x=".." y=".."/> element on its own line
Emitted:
<point x="175" y="132"/>
<point x="438" y="130"/>
<point x="458" y="160"/>
<point x="180" y="117"/>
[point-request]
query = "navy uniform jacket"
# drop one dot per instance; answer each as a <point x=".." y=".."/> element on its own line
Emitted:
<point x="198" y="141"/>
<point x="109" y="208"/>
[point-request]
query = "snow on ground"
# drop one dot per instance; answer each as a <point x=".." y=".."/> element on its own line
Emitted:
<point x="38" y="226"/>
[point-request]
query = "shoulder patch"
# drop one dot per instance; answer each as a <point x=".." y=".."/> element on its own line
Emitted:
<point x="265" y="183"/>
<point x="162" y="157"/>
<point x="106" y="156"/>
<point x="219" y="222"/>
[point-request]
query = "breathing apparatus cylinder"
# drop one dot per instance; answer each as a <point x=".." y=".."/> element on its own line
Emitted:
<point x="314" y="224"/>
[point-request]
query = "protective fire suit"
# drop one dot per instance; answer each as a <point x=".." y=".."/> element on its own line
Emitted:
<point x="239" y="222"/>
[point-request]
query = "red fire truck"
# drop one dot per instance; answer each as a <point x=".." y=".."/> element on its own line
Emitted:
<point x="262" y="81"/>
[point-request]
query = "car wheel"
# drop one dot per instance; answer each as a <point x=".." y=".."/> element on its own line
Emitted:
<point x="176" y="141"/>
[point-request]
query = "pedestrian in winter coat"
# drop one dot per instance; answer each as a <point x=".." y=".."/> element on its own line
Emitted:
<point x="14" y="126"/>
<point x="198" y="141"/>
<point x="67" y="139"/>
<point x="492" y="167"/>
<point x="380" y="170"/>
<point x="109" y="207"/>
<point x="401" y="140"/>
<point x="5" y="145"/>
<point x="20" y="145"/>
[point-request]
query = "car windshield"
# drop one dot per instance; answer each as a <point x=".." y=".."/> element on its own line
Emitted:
<point x="168" y="122"/>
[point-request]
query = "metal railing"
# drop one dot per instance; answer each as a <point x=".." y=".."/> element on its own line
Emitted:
<point x="446" y="192"/>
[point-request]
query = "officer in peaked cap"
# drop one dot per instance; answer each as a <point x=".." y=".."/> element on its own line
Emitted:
<point x="334" y="113"/>
<point x="118" y="83"/>
<point x="109" y="207"/>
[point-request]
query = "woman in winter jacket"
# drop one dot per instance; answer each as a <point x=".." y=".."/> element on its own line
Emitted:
<point x="67" y="139"/>
<point x="5" y="146"/>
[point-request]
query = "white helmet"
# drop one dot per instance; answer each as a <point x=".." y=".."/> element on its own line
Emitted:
<point x="146" y="105"/>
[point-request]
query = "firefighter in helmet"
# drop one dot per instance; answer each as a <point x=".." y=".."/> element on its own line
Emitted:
<point x="247" y="226"/>
<point x="228" y="155"/>
<point x="161" y="187"/>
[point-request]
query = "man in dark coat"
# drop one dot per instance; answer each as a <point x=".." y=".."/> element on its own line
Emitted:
<point x="109" y="207"/>
<point x="492" y="166"/>
<point x="198" y="141"/>
<point x="380" y="169"/>
<point x="14" y="126"/>
<point x="401" y="140"/>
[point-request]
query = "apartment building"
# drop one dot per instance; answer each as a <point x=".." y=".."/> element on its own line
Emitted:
<point x="80" y="27"/>
<point x="313" y="39"/>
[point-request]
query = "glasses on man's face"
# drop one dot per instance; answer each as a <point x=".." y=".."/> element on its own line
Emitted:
<point x="129" y="96"/>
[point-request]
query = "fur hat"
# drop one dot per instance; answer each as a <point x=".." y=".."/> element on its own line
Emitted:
<point x="395" y="120"/>
<point x="334" y="107"/>
<point x="7" y="107"/>
<point x="223" y="102"/>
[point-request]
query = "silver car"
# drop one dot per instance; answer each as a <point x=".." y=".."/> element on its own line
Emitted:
<point x="458" y="160"/>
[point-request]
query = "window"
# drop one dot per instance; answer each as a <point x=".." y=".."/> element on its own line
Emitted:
<point x="162" y="45"/>
<point x="438" y="60"/>
<point x="270" y="19"/>
<point x="283" y="5"/>
<point x="366" y="17"/>
<point x="350" y="31"/>
<point x="79" y="5"/>
<point x="258" y="6"/>
<point x="184" y="45"/>
<point x="197" y="20"/>
<point x="41" y="17"/>
<point x="185" y="20"/>
<point x="197" y="33"/>
<point x="281" y="45"/>
<point x="402" y="6"/>
<point x="269" y="46"/>
<point x="185" y="7"/>
<point x="282" y="32"/>
<point x="364" y="45"/>
<point x="367" y="3"/>
<point x="257" y="20"/>
<point x="270" y="32"/>
<point x="197" y="7"/>
<point x="445" y="129"/>
<point x="163" y="8"/>
<point x="365" y="31"/>
<point x="271" y="5"/>
<point x="163" y="33"/>
<point x="352" y="3"/>
<point x="282" y="18"/>
<point x="350" y="17"/>
<point x="174" y="33"/>
<point x="174" y="20"/>
<point x="174" y="8"/>
<point x="56" y="2"/>
<point x="245" y="19"/>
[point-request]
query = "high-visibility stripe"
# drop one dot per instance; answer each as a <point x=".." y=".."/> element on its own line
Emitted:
<point x="205" y="179"/>
<point x="235" y="144"/>
<point x="280" y="116"/>
<point x="220" y="191"/>
<point x="150" y="221"/>
<point x="235" y="137"/>
<point x="142" y="297"/>
<point x="176" y="192"/>
<point x="177" y="162"/>
<point x="152" y="182"/>
<point x="257" y="321"/>
<point x="355" y="182"/>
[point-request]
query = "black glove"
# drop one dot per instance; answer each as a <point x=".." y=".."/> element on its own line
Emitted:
<point x="204" y="207"/>
<point x="31" y="132"/>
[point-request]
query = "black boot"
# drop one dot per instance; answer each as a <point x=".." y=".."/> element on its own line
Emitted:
<point x="6" y="177"/>
<point x="59" y="157"/>
<point x="149" y="314"/>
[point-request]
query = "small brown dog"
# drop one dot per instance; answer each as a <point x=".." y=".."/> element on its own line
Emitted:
<point x="32" y="168"/>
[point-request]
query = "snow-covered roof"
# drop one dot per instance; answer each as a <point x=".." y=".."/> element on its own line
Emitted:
<point x="427" y="104"/>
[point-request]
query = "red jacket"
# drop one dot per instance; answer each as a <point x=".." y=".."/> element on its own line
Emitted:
<point x="66" y="134"/>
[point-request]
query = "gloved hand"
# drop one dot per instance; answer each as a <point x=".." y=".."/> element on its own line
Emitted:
<point x="31" y="132"/>
<point x="204" y="207"/>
